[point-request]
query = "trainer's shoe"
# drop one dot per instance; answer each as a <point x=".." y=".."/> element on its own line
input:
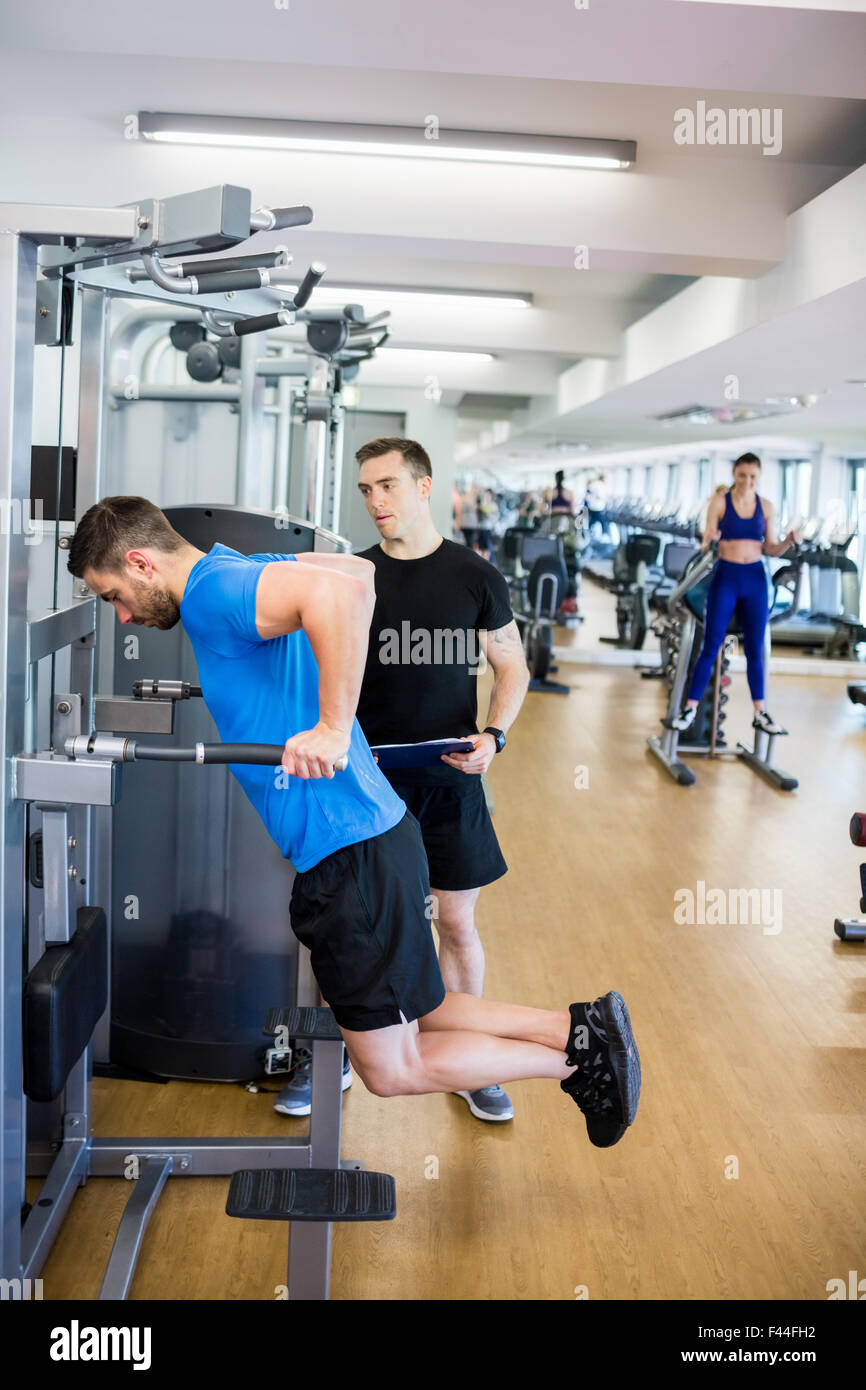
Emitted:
<point x="296" y="1098"/>
<point x="606" y="1084"/>
<point x="490" y="1103"/>
<point x="764" y="721"/>
<point x="685" y="719"/>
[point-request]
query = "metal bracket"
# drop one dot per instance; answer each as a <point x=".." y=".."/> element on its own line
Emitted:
<point x="125" y="714"/>
<point x="62" y="781"/>
<point x="181" y="1161"/>
<point x="49" y="313"/>
<point x="59" y="874"/>
<point x="67" y="717"/>
<point x="277" y="1060"/>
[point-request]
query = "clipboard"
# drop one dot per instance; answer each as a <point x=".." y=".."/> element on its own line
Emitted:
<point x="426" y="754"/>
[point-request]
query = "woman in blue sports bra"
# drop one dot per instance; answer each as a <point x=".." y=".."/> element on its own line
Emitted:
<point x="745" y="527"/>
<point x="560" y="502"/>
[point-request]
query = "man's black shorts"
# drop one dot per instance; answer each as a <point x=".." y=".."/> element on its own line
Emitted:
<point x="364" y="912"/>
<point x="462" y="848"/>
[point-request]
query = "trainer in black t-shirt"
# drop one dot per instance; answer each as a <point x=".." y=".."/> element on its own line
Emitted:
<point x="421" y="678"/>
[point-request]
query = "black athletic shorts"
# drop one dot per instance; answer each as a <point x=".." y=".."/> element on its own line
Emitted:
<point x="462" y="848"/>
<point x="365" y="912"/>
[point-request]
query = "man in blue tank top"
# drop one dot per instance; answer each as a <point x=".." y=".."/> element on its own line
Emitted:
<point x="281" y="645"/>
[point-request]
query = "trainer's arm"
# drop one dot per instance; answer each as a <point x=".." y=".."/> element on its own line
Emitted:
<point x="334" y="610"/>
<point x="504" y="650"/>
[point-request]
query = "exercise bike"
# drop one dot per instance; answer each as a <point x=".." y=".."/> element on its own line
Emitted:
<point x="631" y="564"/>
<point x="545" y="588"/>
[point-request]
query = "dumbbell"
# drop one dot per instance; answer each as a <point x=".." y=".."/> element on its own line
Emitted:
<point x="857" y="828"/>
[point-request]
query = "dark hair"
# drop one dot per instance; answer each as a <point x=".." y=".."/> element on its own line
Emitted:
<point x="747" y="458"/>
<point x="416" y="458"/>
<point x="112" y="527"/>
<point x="560" y="477"/>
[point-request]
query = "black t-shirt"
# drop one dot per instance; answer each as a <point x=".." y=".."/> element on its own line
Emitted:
<point x="421" y="679"/>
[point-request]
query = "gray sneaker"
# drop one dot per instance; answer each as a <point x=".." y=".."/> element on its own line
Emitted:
<point x="296" y="1097"/>
<point x="490" y="1103"/>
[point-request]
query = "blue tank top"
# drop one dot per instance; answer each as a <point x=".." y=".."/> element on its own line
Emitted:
<point x="734" y="527"/>
<point x="265" y="690"/>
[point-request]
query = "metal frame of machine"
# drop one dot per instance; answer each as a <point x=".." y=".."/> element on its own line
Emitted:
<point x="49" y="257"/>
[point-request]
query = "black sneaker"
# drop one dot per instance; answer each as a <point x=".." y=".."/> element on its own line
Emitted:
<point x="764" y="721"/>
<point x="685" y="719"/>
<point x="606" y="1085"/>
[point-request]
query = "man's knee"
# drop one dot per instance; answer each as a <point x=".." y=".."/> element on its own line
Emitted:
<point x="455" y="923"/>
<point x="457" y="935"/>
<point x="393" y="1075"/>
<point x="383" y="1081"/>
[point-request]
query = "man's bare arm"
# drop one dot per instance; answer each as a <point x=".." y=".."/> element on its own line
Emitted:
<point x="334" y="610"/>
<point x="342" y="564"/>
<point x="504" y="650"/>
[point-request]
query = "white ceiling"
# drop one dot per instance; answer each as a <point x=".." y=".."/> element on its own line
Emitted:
<point x="816" y="350"/>
<point x="674" y="43"/>
<point x="620" y="68"/>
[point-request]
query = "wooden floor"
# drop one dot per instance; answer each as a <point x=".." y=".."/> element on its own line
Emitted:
<point x="753" y="1047"/>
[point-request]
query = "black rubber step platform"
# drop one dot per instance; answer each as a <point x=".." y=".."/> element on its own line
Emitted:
<point x="309" y="1025"/>
<point x="312" y="1194"/>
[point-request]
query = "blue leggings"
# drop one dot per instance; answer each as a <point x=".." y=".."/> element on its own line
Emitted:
<point x="742" y="587"/>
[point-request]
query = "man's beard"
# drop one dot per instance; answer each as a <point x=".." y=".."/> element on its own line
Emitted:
<point x="155" y="606"/>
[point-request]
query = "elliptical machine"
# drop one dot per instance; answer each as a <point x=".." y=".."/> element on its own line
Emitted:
<point x="687" y="604"/>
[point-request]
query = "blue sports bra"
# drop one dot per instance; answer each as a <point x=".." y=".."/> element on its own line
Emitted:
<point x="734" y="527"/>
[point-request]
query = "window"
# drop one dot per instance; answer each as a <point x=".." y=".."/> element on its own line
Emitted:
<point x="795" y="490"/>
<point x="705" y="478"/>
<point x="857" y="517"/>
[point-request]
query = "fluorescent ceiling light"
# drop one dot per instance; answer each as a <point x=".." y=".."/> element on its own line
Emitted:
<point x="395" y="296"/>
<point x="485" y="146"/>
<point x="736" y="414"/>
<point x="437" y="357"/>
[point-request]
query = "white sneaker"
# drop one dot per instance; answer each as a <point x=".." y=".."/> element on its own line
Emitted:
<point x="764" y="721"/>
<point x="686" y="718"/>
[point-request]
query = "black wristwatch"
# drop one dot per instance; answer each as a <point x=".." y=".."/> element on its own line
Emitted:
<point x="498" y="735"/>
